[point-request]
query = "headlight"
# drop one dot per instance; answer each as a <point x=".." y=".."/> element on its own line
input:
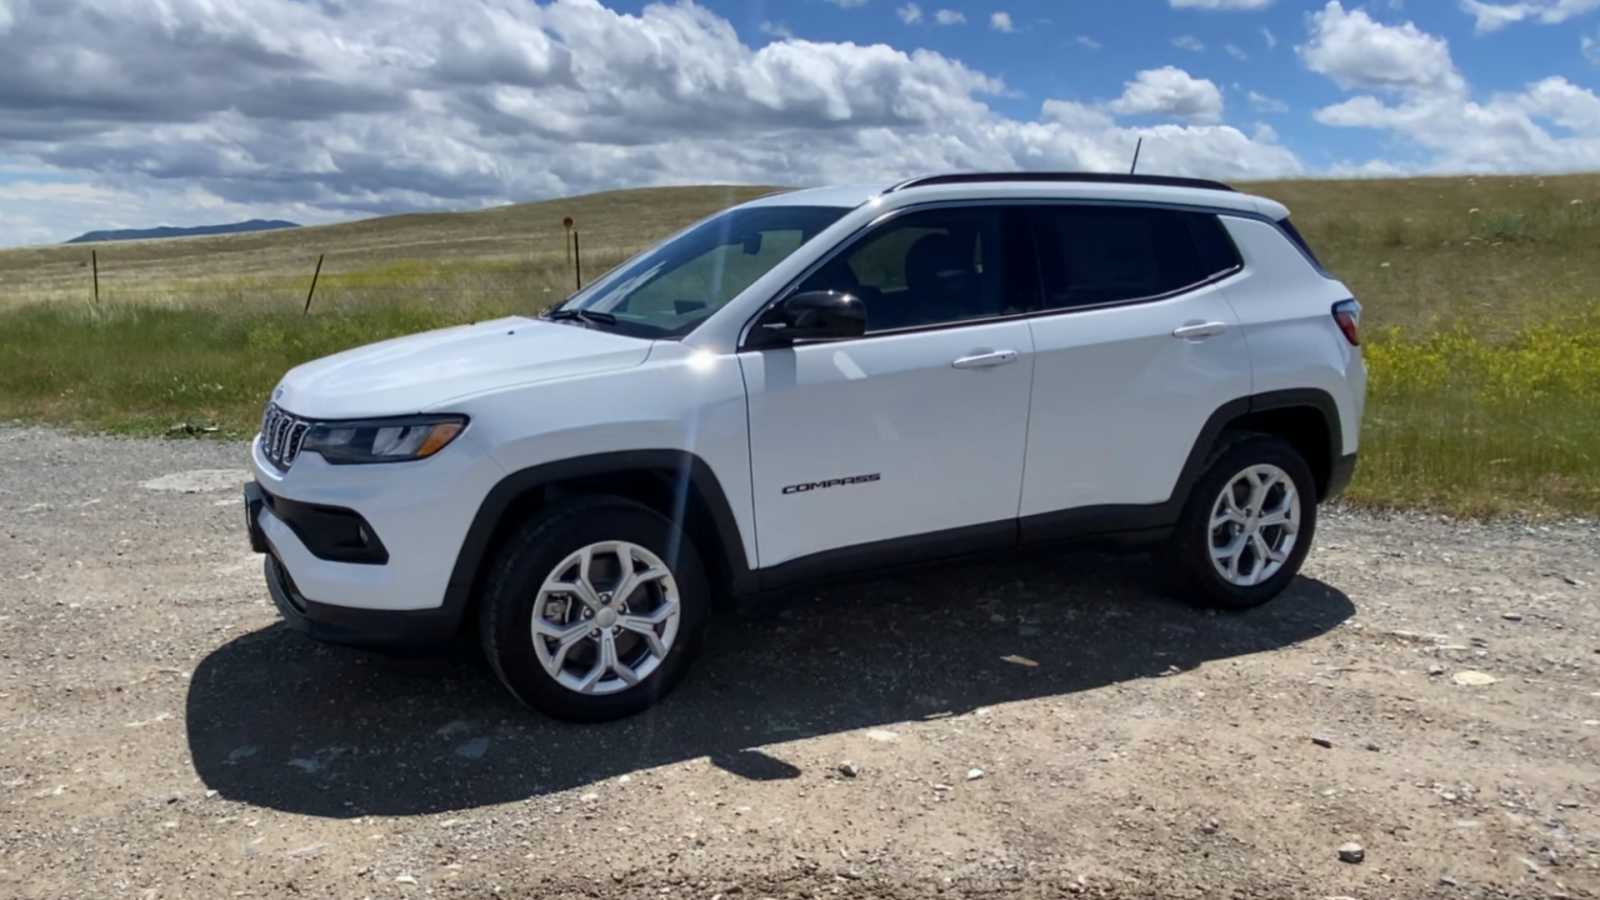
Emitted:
<point x="383" y="440"/>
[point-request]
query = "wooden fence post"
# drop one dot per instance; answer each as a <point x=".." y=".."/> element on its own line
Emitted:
<point x="313" y="290"/>
<point x="94" y="263"/>
<point x="577" y="259"/>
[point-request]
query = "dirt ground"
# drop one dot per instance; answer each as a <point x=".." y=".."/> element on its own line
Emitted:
<point x="1047" y="727"/>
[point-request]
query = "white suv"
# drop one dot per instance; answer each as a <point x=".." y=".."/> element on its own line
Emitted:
<point x="814" y="384"/>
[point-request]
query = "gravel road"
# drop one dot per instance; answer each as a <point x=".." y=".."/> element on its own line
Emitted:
<point x="1430" y="690"/>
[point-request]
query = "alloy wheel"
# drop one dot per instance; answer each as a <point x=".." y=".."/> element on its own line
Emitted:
<point x="1255" y="523"/>
<point x="605" y="617"/>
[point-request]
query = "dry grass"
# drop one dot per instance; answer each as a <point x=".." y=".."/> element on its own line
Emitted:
<point x="1481" y="297"/>
<point x="509" y="254"/>
<point x="1482" y="300"/>
<point x="1425" y="254"/>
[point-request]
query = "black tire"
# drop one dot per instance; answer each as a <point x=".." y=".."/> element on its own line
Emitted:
<point x="533" y="551"/>
<point x="1188" y="551"/>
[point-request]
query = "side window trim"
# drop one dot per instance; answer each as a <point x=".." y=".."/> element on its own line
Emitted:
<point x="1212" y="279"/>
<point x="1037" y="308"/>
<point x="865" y="233"/>
<point x="1289" y="231"/>
<point x="1139" y="301"/>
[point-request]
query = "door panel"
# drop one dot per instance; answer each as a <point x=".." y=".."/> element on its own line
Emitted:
<point x="1118" y="400"/>
<point x="1123" y="384"/>
<point x="884" y="437"/>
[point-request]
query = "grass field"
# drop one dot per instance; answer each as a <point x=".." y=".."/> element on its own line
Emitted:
<point x="1482" y="299"/>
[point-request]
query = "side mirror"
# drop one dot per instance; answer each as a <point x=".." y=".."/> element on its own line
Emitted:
<point x="812" y="316"/>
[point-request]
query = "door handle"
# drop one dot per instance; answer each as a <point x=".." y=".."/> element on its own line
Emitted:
<point x="986" y="360"/>
<point x="1199" y="331"/>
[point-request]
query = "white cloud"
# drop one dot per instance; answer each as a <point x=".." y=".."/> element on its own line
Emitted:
<point x="1550" y="125"/>
<point x="1085" y="41"/>
<point x="1172" y="92"/>
<point x="1360" y="53"/>
<point x="949" y="17"/>
<point x="848" y="4"/>
<point x="1237" y="52"/>
<point x="1591" y="49"/>
<point x="777" y="30"/>
<point x="1188" y="42"/>
<point x="1502" y="134"/>
<point x="1574" y="108"/>
<point x="910" y="14"/>
<point x="1262" y="103"/>
<point x="193" y="111"/>
<point x="1098" y="143"/>
<point x="1001" y="21"/>
<point x="1495" y="16"/>
<point x="1269" y="37"/>
<point x="1220" y="4"/>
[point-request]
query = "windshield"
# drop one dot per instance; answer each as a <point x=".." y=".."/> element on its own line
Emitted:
<point x="670" y="289"/>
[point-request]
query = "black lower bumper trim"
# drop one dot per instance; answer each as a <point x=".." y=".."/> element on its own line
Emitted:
<point x="373" y="628"/>
<point x="332" y="533"/>
<point x="254" y="499"/>
<point x="1344" y="469"/>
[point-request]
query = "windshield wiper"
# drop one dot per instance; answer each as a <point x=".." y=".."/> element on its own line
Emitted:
<point x="591" y="316"/>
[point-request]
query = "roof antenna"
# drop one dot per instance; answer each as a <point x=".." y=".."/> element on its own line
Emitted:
<point x="1134" y="169"/>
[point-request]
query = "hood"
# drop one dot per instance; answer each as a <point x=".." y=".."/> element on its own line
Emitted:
<point x="419" y="372"/>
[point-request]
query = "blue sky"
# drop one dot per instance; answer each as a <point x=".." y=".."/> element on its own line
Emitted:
<point x="1086" y="50"/>
<point x="193" y="112"/>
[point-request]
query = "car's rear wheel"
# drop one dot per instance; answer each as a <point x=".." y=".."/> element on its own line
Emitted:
<point x="593" y="609"/>
<point x="1247" y="526"/>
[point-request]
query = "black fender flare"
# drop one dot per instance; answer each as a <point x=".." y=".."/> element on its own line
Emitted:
<point x="1230" y="412"/>
<point x="1141" y="522"/>
<point x="690" y="478"/>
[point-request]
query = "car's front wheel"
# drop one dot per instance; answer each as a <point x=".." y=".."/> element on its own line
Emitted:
<point x="593" y="608"/>
<point x="1247" y="526"/>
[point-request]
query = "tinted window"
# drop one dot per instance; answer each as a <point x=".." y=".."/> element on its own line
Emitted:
<point x="1300" y="241"/>
<point x="934" y="267"/>
<point x="1090" y="255"/>
<point x="668" y="290"/>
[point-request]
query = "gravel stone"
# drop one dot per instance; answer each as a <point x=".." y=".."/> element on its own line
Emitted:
<point x="123" y="606"/>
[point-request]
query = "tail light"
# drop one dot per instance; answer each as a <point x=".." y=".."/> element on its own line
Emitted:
<point x="1347" y="314"/>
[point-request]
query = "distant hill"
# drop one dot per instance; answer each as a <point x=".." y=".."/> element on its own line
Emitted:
<point x="167" y="231"/>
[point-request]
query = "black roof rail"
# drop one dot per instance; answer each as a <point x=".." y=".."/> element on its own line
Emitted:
<point x="1080" y="177"/>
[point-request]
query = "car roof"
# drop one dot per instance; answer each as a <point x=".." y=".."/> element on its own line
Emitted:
<point x="1020" y="186"/>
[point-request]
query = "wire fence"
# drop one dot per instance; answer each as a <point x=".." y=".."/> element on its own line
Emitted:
<point x="309" y="281"/>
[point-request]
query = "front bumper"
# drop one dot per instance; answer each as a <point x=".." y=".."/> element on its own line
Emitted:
<point x="415" y="629"/>
<point x="412" y="629"/>
<point x="363" y="555"/>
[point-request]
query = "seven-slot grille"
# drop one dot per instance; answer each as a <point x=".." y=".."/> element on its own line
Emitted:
<point x="281" y="435"/>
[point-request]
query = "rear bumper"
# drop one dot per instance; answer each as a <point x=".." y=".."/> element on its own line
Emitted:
<point x="1344" y="469"/>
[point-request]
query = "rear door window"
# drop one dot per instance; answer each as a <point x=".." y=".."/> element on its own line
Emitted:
<point x="1096" y="255"/>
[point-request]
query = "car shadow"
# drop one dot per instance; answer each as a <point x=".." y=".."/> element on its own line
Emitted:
<point x="277" y="720"/>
